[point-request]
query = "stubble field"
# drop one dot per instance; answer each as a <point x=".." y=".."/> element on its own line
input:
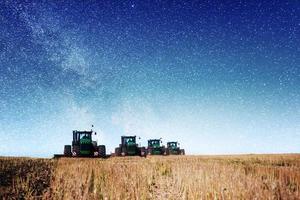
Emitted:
<point x="157" y="177"/>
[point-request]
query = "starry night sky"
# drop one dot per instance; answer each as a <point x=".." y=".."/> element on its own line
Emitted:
<point x="218" y="77"/>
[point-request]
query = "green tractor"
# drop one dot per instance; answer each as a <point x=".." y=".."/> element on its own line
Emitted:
<point x="129" y="147"/>
<point x="174" y="149"/>
<point x="155" y="147"/>
<point x="83" y="146"/>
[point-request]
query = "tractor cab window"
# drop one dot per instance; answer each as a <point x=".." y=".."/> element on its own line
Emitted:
<point x="154" y="142"/>
<point x="129" y="141"/>
<point x="172" y="144"/>
<point x="85" y="136"/>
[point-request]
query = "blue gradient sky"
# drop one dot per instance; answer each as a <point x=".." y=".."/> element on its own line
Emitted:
<point x="219" y="78"/>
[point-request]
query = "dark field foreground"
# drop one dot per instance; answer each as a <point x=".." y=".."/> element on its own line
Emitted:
<point x="172" y="177"/>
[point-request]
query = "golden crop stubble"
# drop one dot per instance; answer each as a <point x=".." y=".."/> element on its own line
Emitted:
<point x="157" y="177"/>
<point x="175" y="177"/>
<point x="25" y="177"/>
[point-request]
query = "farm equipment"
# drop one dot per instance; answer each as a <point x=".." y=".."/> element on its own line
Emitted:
<point x="129" y="147"/>
<point x="83" y="146"/>
<point x="174" y="149"/>
<point x="155" y="147"/>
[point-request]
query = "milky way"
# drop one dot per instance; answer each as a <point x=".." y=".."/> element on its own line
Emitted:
<point x="219" y="78"/>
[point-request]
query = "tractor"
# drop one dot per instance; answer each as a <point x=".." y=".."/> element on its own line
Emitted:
<point x="83" y="146"/>
<point x="174" y="149"/>
<point x="129" y="147"/>
<point x="155" y="147"/>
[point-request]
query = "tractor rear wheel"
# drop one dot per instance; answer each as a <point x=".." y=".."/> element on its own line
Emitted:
<point x="102" y="151"/>
<point x="67" y="150"/>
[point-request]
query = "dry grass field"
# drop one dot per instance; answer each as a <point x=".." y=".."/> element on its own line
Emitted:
<point x="172" y="177"/>
<point x="24" y="178"/>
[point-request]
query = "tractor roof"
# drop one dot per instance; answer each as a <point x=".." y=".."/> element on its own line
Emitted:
<point x="154" y="140"/>
<point x="128" y="136"/>
<point x="83" y="132"/>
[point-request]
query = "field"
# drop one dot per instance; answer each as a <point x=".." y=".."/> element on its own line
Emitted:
<point x="172" y="177"/>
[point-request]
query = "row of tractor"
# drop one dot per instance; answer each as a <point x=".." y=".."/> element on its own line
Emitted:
<point x="84" y="146"/>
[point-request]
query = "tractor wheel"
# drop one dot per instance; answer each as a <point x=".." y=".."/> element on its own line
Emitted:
<point x="164" y="151"/>
<point x="167" y="151"/>
<point x="124" y="151"/>
<point x="149" y="151"/>
<point x="143" y="152"/>
<point x="117" y="151"/>
<point x="182" y="152"/>
<point x="75" y="151"/>
<point x="102" y="151"/>
<point x="67" y="150"/>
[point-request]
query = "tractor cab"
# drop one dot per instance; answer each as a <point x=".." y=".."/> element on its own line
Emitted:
<point x="154" y="143"/>
<point x="82" y="137"/>
<point x="172" y="145"/>
<point x="129" y="140"/>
